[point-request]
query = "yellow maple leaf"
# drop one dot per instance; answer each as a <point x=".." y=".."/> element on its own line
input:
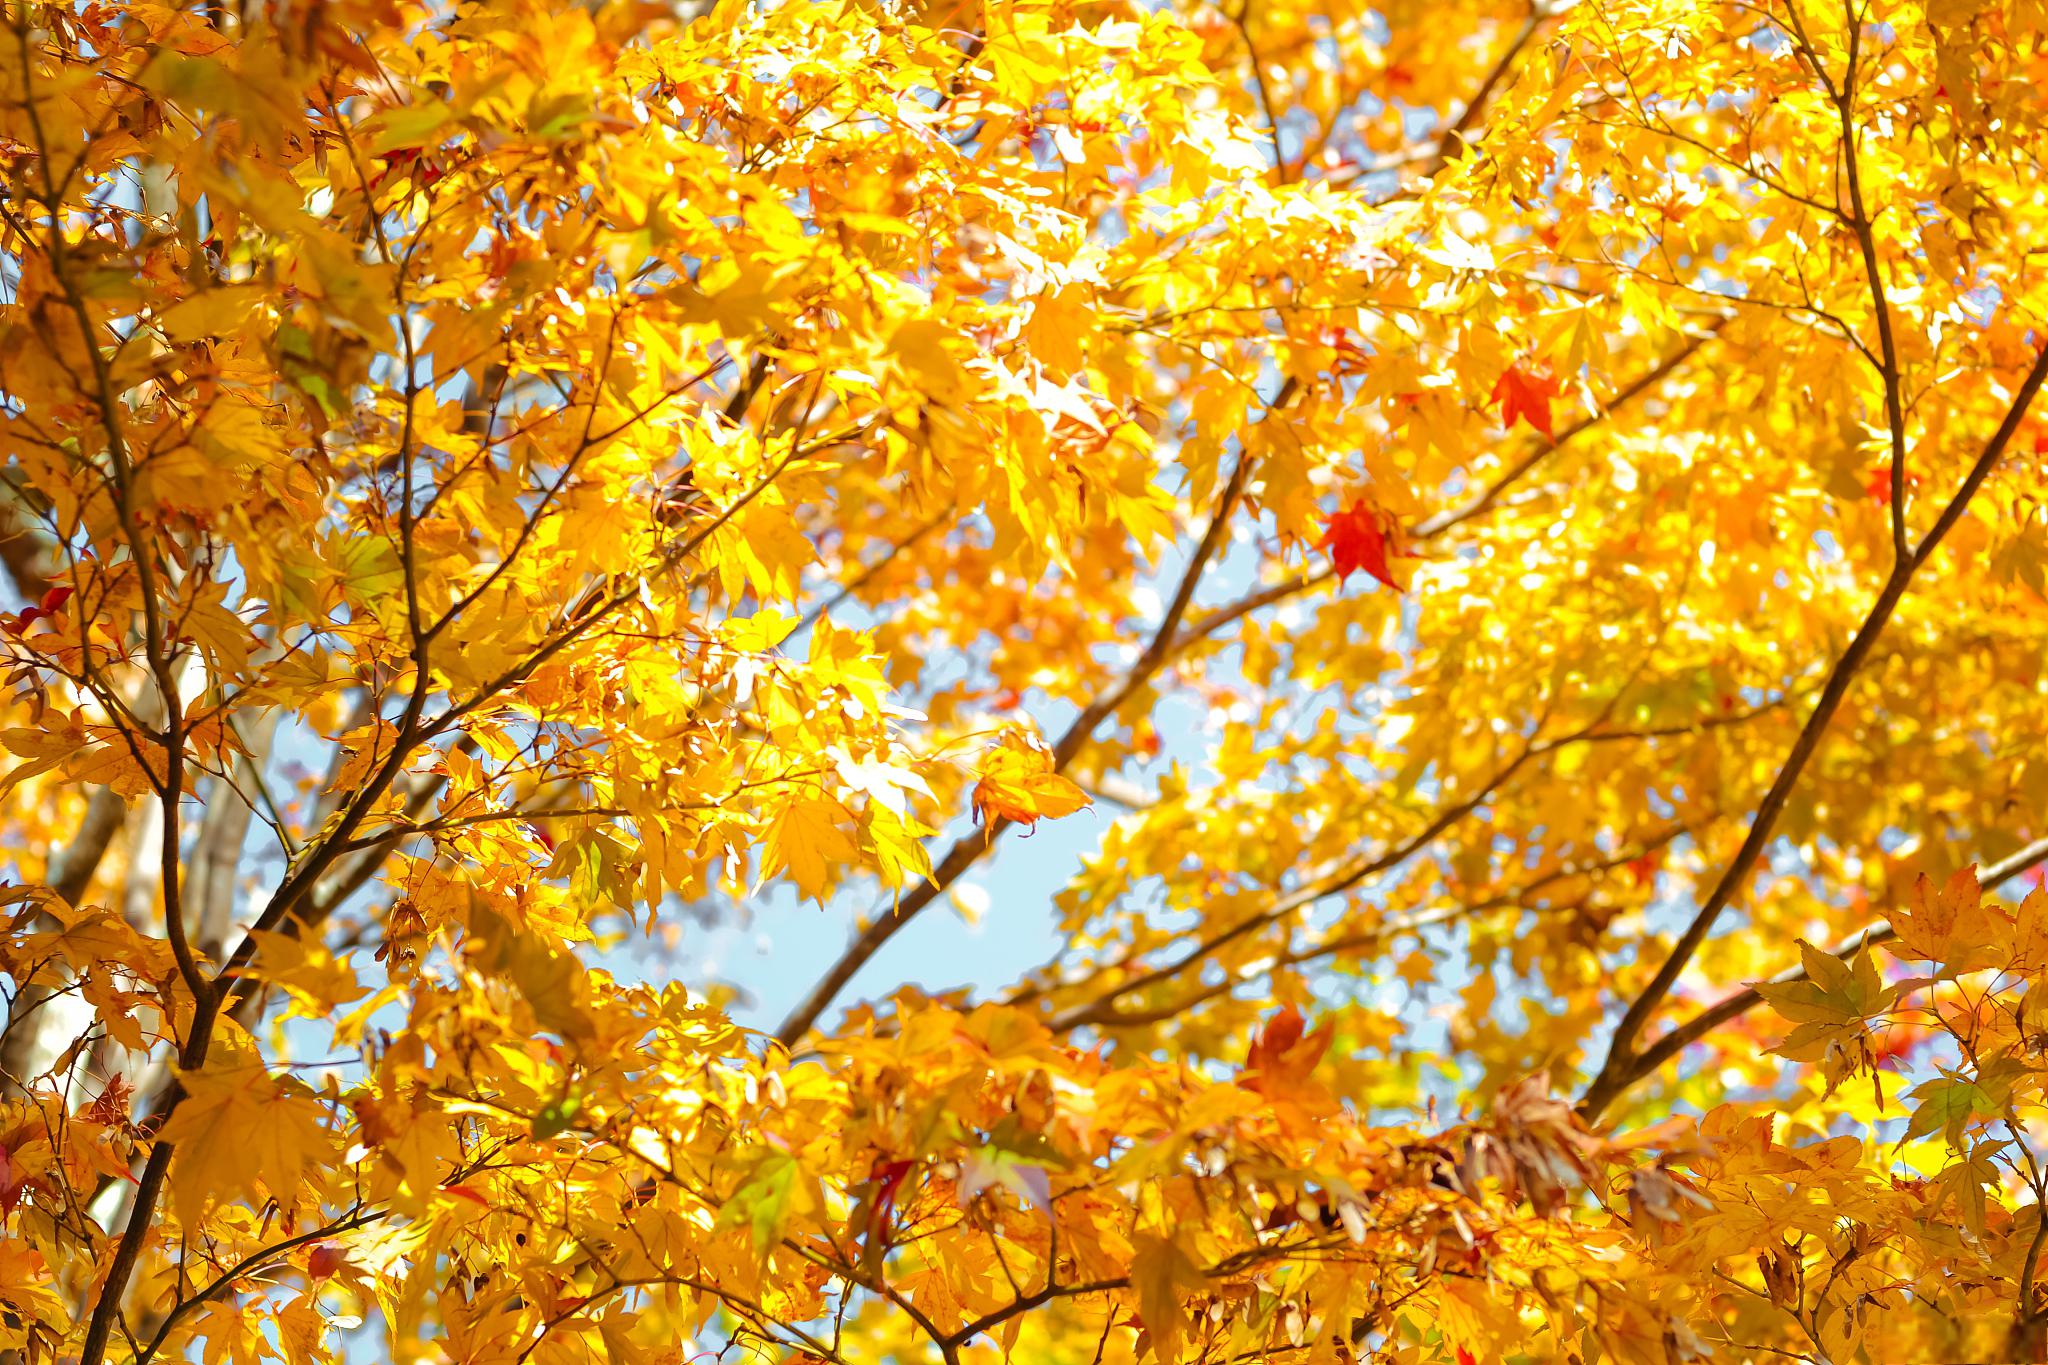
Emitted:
<point x="806" y="841"/>
<point x="1161" y="1273"/>
<point x="44" y="747"/>
<point x="239" y="1128"/>
<point x="318" y="981"/>
<point x="1018" y="783"/>
<point x="26" y="1284"/>
<point x="1951" y="925"/>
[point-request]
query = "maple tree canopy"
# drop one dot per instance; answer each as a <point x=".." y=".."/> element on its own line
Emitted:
<point x="1518" y="533"/>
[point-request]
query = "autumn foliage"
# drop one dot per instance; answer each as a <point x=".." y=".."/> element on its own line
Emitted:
<point x="1515" y="537"/>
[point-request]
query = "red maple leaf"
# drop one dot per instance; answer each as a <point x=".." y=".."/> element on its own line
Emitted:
<point x="53" y="601"/>
<point x="1359" y="538"/>
<point x="325" y="1260"/>
<point x="1525" y="394"/>
<point x="885" y="1180"/>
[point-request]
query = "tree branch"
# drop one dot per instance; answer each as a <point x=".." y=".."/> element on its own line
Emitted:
<point x="1866" y="240"/>
<point x="1610" y="1080"/>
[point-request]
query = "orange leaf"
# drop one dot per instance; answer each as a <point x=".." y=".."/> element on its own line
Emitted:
<point x="1018" y="783"/>
<point x="1283" y="1054"/>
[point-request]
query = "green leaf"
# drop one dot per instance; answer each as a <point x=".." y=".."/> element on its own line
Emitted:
<point x="764" y="1201"/>
<point x="1947" y="1104"/>
<point x="412" y="125"/>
